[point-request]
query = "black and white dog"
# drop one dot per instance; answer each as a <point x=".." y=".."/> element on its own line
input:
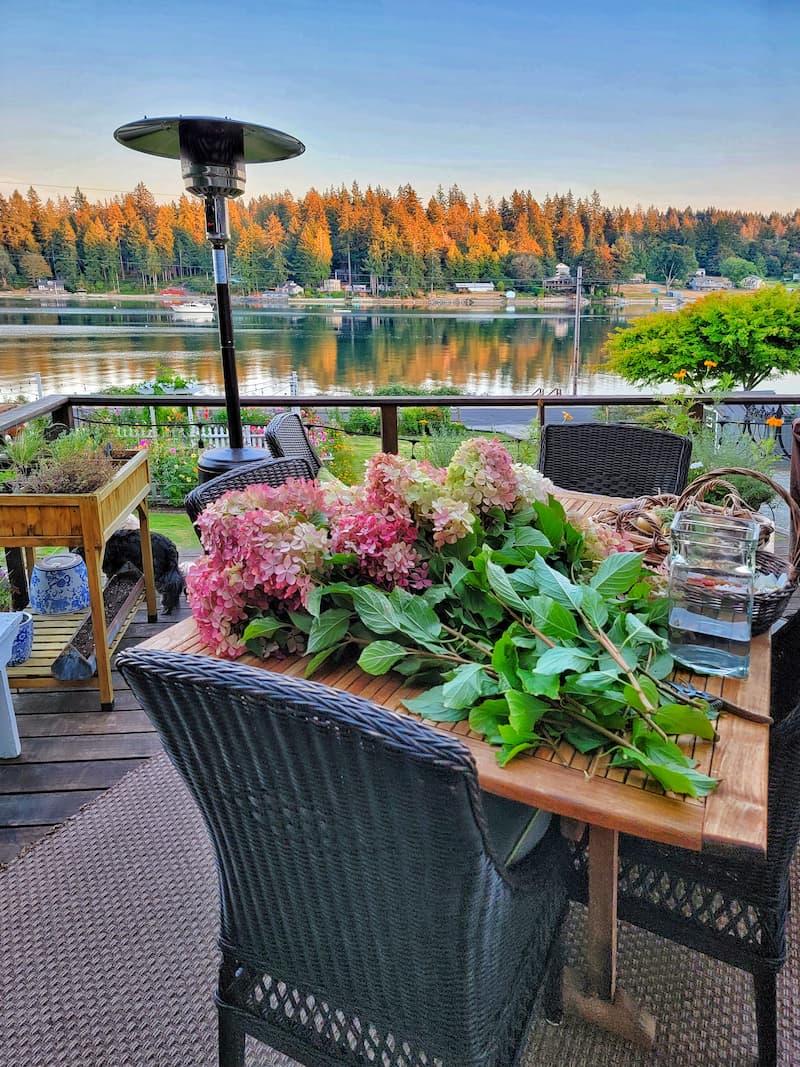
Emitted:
<point x="125" y="546"/>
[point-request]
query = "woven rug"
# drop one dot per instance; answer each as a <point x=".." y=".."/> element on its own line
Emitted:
<point x="107" y="956"/>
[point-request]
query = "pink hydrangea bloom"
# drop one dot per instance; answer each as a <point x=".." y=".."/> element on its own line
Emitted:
<point x="452" y="520"/>
<point x="383" y="545"/>
<point x="481" y="473"/>
<point x="600" y="539"/>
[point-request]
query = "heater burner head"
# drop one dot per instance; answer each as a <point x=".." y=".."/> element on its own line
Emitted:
<point x="213" y="152"/>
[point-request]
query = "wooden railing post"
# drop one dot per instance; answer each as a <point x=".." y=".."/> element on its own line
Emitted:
<point x="389" y="433"/>
<point x="64" y="415"/>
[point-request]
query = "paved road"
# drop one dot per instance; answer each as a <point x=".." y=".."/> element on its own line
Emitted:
<point x="516" y="422"/>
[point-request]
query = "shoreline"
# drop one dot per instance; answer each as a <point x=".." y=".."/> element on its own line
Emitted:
<point x="439" y="301"/>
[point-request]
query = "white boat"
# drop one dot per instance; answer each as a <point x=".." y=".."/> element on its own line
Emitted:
<point x="193" y="307"/>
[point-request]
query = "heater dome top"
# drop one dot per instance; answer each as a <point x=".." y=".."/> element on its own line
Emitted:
<point x="208" y="141"/>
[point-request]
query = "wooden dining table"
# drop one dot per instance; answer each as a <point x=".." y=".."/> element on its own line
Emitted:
<point x="587" y="790"/>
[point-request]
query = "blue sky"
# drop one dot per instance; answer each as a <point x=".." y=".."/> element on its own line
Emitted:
<point x="674" y="102"/>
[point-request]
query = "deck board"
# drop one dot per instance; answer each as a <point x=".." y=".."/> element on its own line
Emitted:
<point x="72" y="751"/>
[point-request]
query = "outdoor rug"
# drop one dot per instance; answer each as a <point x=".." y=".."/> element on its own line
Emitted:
<point x="108" y="959"/>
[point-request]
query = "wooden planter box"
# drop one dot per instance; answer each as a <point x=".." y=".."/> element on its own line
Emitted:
<point x="31" y="520"/>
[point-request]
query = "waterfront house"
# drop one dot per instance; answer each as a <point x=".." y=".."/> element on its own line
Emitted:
<point x="474" y="287"/>
<point x="708" y="283"/>
<point x="331" y="285"/>
<point x="290" y="288"/>
<point x="50" y="285"/>
<point x="751" y="281"/>
<point x="562" y="279"/>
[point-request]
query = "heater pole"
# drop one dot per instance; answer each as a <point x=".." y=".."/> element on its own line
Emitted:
<point x="216" y="210"/>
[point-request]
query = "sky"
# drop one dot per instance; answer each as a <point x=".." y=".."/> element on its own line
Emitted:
<point x="670" y="103"/>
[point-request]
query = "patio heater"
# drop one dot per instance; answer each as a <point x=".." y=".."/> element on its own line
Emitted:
<point x="213" y="153"/>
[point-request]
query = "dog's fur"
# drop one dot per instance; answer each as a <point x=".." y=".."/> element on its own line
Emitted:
<point x="125" y="546"/>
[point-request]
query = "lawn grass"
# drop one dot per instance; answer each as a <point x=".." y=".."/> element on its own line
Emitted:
<point x="176" y="526"/>
<point x="363" y="447"/>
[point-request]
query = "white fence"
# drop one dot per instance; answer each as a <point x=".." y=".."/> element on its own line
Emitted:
<point x="206" y="435"/>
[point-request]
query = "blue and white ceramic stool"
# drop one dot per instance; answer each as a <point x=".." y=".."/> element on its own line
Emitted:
<point x="59" y="584"/>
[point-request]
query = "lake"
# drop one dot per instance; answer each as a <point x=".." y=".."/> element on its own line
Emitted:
<point x="79" y="348"/>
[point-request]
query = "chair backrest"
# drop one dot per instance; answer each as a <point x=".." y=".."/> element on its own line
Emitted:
<point x="784" y="795"/>
<point x="270" y="471"/>
<point x="351" y="848"/>
<point x="614" y="458"/>
<point x="286" y="436"/>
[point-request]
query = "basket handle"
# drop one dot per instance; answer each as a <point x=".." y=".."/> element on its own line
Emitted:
<point x="705" y="481"/>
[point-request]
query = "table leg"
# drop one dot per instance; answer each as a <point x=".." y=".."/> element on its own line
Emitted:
<point x="598" y="1000"/>
<point x="94" y="559"/>
<point x="147" y="562"/>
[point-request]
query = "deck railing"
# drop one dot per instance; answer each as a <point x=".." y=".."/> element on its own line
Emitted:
<point x="65" y="408"/>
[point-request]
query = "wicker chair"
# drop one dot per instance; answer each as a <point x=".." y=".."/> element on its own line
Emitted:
<point x="286" y="436"/>
<point x="614" y="459"/>
<point x="271" y="471"/>
<point x="784" y="681"/>
<point x="365" y="916"/>
<point x="732" y="909"/>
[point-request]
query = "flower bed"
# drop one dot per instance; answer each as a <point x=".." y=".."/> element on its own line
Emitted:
<point x="470" y="580"/>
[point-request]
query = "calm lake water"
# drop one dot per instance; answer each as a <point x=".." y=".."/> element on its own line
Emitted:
<point x="80" y="348"/>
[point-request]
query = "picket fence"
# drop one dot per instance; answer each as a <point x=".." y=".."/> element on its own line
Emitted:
<point x="194" y="435"/>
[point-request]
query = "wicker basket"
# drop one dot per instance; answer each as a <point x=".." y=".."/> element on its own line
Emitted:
<point x="635" y="520"/>
<point x="767" y="607"/>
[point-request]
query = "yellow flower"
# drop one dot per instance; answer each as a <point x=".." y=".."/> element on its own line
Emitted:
<point x="681" y="374"/>
<point x="709" y="363"/>
<point x="773" y="420"/>
<point x="566" y="416"/>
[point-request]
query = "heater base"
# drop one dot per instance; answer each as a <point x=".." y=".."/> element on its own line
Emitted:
<point x="214" y="461"/>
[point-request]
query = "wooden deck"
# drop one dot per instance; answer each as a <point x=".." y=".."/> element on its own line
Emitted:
<point x="71" y="750"/>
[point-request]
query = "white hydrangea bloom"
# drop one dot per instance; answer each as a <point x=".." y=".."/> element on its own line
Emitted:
<point x="532" y="485"/>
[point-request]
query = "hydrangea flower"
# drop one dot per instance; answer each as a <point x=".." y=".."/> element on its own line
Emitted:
<point x="532" y="485"/>
<point x="481" y="474"/>
<point x="383" y="546"/>
<point x="266" y="547"/>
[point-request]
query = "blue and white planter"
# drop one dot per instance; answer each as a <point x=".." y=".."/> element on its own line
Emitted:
<point x="59" y="584"/>
<point x="22" y="647"/>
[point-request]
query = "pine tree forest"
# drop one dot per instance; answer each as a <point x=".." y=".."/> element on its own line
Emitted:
<point x="384" y="241"/>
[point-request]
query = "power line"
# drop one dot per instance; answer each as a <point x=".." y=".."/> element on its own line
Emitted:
<point x="91" y="188"/>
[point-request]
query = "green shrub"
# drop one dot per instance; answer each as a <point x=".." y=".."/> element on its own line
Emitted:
<point x="730" y="451"/>
<point x="365" y="421"/>
<point x="441" y="443"/>
<point x="342" y="461"/>
<point x="414" y="422"/>
<point x="173" y="468"/>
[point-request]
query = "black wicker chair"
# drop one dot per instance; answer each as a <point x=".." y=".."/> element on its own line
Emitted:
<point x="286" y="436"/>
<point x="271" y="471"/>
<point x="366" y="918"/>
<point x="614" y="458"/>
<point x="785" y="677"/>
<point x="732" y="909"/>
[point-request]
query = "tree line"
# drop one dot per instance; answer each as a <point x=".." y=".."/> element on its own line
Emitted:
<point x="383" y="240"/>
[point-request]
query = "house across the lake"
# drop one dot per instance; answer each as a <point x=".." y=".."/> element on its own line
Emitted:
<point x="290" y="288"/>
<point x="474" y="287"/>
<point x="562" y="279"/>
<point x="751" y="281"/>
<point x="50" y="285"/>
<point x="707" y="283"/>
